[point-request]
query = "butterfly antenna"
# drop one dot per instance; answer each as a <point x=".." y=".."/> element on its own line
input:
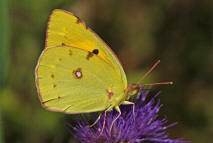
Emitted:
<point x="157" y="83"/>
<point x="149" y="71"/>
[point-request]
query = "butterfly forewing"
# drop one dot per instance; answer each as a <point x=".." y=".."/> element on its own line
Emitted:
<point x="66" y="29"/>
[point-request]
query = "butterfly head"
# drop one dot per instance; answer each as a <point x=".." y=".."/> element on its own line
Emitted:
<point x="132" y="89"/>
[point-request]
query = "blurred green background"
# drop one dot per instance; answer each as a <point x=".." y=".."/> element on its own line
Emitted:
<point x="179" y="32"/>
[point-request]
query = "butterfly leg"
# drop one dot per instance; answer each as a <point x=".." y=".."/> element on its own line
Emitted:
<point x="119" y="114"/>
<point x="96" y="121"/>
<point x="103" y="122"/>
<point x="133" y="107"/>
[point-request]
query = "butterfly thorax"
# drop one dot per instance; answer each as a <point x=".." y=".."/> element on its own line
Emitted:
<point x="117" y="99"/>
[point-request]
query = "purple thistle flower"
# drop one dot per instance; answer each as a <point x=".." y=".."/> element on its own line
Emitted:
<point x="146" y="128"/>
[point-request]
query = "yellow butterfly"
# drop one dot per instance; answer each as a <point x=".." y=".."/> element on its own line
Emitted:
<point x="77" y="72"/>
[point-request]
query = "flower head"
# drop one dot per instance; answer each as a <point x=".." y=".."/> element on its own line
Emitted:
<point x="146" y="128"/>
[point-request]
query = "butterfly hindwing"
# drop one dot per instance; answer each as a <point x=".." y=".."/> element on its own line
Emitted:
<point x="70" y="82"/>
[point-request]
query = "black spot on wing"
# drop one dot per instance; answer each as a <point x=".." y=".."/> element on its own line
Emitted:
<point x="95" y="51"/>
<point x="90" y="54"/>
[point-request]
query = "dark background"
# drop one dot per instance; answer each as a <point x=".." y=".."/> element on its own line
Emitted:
<point x="179" y="32"/>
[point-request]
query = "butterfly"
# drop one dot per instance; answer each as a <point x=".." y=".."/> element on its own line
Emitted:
<point x="77" y="72"/>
